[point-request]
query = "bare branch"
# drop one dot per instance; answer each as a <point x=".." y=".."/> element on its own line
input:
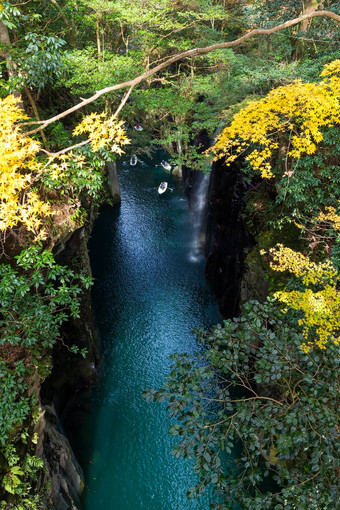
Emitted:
<point x="123" y="101"/>
<point x="67" y="149"/>
<point x="189" y="53"/>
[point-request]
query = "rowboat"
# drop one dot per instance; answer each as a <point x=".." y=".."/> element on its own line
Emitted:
<point x="166" y="165"/>
<point x="162" y="187"/>
<point x="133" y="160"/>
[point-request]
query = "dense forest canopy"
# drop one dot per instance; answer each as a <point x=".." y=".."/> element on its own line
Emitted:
<point x="269" y="73"/>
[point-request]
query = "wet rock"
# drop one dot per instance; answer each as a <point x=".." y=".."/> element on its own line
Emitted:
<point x="65" y="474"/>
<point x="254" y="284"/>
<point x="70" y="373"/>
<point x="177" y="171"/>
<point x="227" y="239"/>
<point x="113" y="182"/>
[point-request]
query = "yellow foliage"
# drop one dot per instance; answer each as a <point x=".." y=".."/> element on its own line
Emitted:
<point x="311" y="273"/>
<point x="330" y="217"/>
<point x="18" y="204"/>
<point x="298" y="111"/>
<point x="19" y="168"/>
<point x="321" y="312"/>
<point x="320" y="299"/>
<point x="104" y="132"/>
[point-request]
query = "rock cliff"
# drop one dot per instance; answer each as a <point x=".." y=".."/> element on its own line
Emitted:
<point x="71" y="372"/>
<point x="227" y="240"/>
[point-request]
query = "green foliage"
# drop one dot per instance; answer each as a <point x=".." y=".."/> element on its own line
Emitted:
<point x="84" y="177"/>
<point x="254" y="411"/>
<point x="37" y="63"/>
<point x="42" y="62"/>
<point x="36" y="298"/>
<point x="318" y="179"/>
<point x="58" y="135"/>
<point x="9" y="15"/>
<point x="83" y="72"/>
<point x="15" y="405"/>
<point x="19" y="479"/>
<point x="335" y="253"/>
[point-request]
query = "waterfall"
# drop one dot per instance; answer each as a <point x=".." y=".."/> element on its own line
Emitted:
<point x="199" y="208"/>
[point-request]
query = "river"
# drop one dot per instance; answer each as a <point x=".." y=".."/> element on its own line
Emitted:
<point x="149" y="295"/>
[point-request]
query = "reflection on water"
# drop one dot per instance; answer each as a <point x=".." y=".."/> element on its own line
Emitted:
<point x="148" y="297"/>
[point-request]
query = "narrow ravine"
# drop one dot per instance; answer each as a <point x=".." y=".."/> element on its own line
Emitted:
<point x="148" y="297"/>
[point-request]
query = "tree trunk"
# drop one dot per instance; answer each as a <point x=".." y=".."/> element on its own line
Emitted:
<point x="36" y="113"/>
<point x="179" y="152"/>
<point x="5" y="40"/>
<point x="269" y="44"/>
<point x="4" y="35"/>
<point x="70" y="29"/>
<point x="309" y="6"/>
<point x="98" y="35"/>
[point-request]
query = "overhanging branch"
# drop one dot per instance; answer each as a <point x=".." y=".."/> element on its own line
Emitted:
<point x="189" y="53"/>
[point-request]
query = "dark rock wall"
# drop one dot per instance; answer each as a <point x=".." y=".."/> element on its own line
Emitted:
<point x="64" y="473"/>
<point x="113" y="182"/>
<point x="254" y="284"/>
<point x="71" y="372"/>
<point x="227" y="241"/>
<point x="226" y="238"/>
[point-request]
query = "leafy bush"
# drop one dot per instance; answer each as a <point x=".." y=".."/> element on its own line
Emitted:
<point x="15" y="404"/>
<point x="36" y="297"/>
<point x="255" y="411"/>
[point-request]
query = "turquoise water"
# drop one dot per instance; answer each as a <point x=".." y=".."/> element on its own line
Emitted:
<point x="149" y="295"/>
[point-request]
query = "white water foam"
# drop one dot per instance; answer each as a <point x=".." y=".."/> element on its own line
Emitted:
<point x="199" y="209"/>
<point x="199" y="205"/>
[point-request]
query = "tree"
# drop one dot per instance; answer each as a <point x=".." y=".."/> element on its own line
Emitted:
<point x="17" y="203"/>
<point x="36" y="296"/>
<point x="257" y="414"/>
<point x="25" y="180"/>
<point x="105" y="42"/>
<point x="288" y="120"/>
<point x="314" y="292"/>
<point x="189" y="53"/>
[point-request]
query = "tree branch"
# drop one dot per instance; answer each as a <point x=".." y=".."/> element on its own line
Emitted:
<point x="67" y="149"/>
<point x="189" y="53"/>
<point x="123" y="101"/>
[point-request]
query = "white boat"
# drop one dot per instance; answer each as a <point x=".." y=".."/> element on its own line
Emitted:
<point x="162" y="187"/>
<point x="133" y="160"/>
<point x="166" y="165"/>
<point x="138" y="127"/>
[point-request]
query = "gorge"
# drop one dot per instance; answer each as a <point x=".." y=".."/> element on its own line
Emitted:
<point x="149" y="296"/>
<point x="252" y="399"/>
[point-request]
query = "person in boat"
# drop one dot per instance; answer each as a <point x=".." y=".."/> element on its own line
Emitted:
<point x="138" y="127"/>
<point x="165" y="165"/>
<point x="133" y="160"/>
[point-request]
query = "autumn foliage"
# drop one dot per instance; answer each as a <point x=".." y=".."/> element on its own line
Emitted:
<point x="289" y="119"/>
<point x="23" y="174"/>
<point x="318" y="297"/>
<point x="18" y="166"/>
